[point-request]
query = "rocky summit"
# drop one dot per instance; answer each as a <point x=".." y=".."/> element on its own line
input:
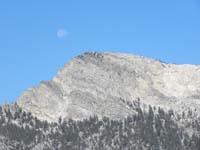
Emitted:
<point x="103" y="84"/>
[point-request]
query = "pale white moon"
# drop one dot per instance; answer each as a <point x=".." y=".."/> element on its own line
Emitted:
<point x="61" y="33"/>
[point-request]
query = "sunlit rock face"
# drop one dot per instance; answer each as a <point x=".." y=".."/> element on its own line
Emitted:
<point x="102" y="83"/>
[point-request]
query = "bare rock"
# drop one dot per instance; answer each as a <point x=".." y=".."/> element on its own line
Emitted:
<point x="96" y="83"/>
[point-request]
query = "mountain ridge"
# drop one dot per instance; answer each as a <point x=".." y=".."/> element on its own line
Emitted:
<point x="102" y="83"/>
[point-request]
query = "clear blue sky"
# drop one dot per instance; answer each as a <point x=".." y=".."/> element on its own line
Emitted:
<point x="37" y="37"/>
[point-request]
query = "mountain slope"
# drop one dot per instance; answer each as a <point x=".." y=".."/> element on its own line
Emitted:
<point x="154" y="129"/>
<point x="103" y="84"/>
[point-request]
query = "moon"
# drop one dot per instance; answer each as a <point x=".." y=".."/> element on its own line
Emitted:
<point x="61" y="33"/>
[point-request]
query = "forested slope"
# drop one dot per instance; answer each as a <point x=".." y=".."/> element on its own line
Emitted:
<point x="150" y="129"/>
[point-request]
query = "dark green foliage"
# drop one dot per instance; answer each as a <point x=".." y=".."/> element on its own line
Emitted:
<point x="151" y="130"/>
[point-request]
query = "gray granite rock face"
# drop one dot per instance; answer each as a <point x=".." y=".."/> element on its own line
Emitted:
<point x="102" y="83"/>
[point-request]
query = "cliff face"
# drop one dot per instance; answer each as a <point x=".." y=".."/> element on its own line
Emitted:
<point x="103" y="83"/>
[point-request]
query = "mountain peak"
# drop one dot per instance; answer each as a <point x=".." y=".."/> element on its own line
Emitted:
<point x="102" y="84"/>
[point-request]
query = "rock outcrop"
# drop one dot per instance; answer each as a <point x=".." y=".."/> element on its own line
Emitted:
<point x="102" y="84"/>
